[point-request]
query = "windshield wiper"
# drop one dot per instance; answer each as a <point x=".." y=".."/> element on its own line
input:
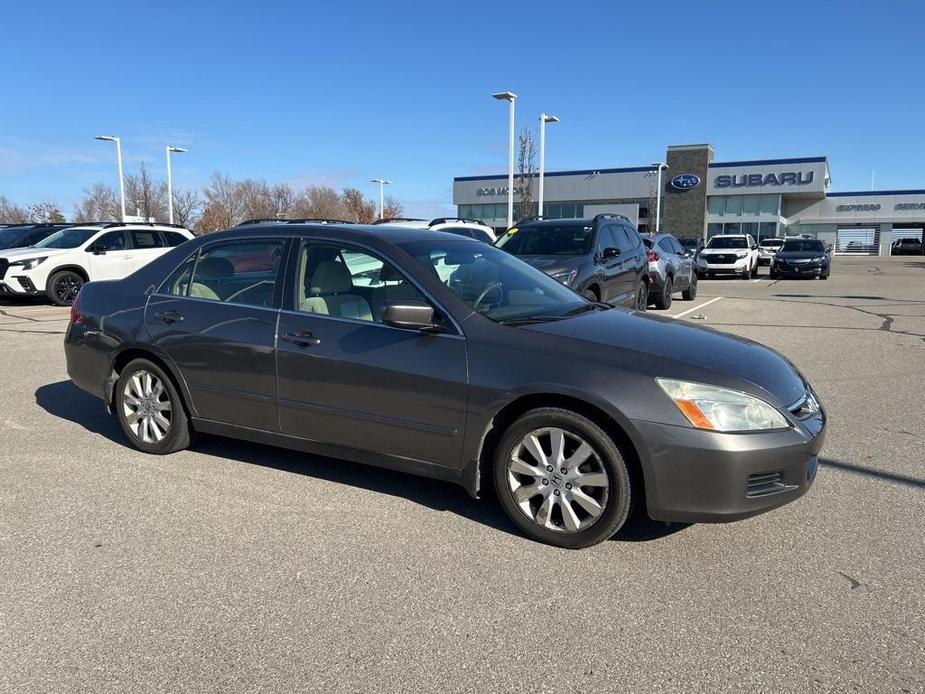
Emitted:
<point x="527" y="320"/>
<point x="591" y="305"/>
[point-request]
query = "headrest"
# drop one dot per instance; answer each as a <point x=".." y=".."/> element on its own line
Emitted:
<point x="388" y="273"/>
<point x="331" y="277"/>
<point x="214" y="267"/>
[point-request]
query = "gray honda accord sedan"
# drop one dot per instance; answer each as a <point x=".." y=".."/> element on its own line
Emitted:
<point x="445" y="357"/>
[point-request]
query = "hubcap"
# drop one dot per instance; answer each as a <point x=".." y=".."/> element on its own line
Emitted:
<point x="67" y="287"/>
<point x="557" y="480"/>
<point x="146" y="406"/>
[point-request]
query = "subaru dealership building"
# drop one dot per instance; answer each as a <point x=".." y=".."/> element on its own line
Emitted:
<point x="702" y="197"/>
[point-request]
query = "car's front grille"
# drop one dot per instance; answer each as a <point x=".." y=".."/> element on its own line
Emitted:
<point x="765" y="484"/>
<point x="721" y="258"/>
<point x="4" y="264"/>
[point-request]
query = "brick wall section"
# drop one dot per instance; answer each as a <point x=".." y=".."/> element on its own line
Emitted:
<point x="685" y="212"/>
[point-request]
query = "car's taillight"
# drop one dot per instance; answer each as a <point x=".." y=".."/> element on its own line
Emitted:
<point x="651" y="256"/>
<point x="76" y="318"/>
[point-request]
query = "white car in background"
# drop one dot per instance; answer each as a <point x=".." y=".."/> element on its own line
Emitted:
<point x="731" y="254"/>
<point x="461" y="226"/>
<point x="58" y="266"/>
<point x="767" y="249"/>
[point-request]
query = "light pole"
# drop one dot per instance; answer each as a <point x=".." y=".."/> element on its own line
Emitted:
<point x="544" y="119"/>
<point x="112" y="138"/>
<point x="658" y="195"/>
<point x="382" y="183"/>
<point x="509" y="97"/>
<point x="167" y="150"/>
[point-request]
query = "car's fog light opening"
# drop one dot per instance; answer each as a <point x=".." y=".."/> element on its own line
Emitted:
<point x="765" y="484"/>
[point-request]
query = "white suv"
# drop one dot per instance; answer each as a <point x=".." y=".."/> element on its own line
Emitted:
<point x="59" y="265"/>
<point x="473" y="228"/>
<point x="730" y="254"/>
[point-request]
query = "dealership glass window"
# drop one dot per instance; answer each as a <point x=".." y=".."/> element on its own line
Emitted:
<point x="769" y="204"/>
<point x="768" y="230"/>
<point x="716" y="204"/>
<point x="714" y="228"/>
<point x="734" y="204"/>
<point x="553" y="210"/>
<point x="568" y="210"/>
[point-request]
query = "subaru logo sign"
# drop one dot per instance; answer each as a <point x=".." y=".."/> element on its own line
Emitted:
<point x="685" y="181"/>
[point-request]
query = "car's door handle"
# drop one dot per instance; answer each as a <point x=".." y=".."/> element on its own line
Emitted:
<point x="302" y="339"/>
<point x="168" y="317"/>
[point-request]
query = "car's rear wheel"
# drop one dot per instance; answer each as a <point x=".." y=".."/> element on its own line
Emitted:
<point x="63" y="287"/>
<point x="150" y="409"/>
<point x="642" y="296"/>
<point x="663" y="297"/>
<point x="561" y="479"/>
<point x="690" y="293"/>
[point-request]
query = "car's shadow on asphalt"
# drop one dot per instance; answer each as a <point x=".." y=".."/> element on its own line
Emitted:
<point x="66" y="401"/>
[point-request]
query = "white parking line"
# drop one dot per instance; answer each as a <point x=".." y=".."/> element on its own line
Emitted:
<point x="760" y="279"/>
<point x="705" y="303"/>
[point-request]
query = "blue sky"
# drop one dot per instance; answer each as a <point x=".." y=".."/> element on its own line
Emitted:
<point x="341" y="92"/>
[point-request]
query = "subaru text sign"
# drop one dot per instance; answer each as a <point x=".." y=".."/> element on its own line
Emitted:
<point x="685" y="181"/>
<point x="757" y="180"/>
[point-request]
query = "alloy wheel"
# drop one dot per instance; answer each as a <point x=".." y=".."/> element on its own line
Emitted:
<point x="557" y="480"/>
<point x="67" y="287"/>
<point x="146" y="406"/>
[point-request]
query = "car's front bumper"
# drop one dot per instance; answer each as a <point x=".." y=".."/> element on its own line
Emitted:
<point x="692" y="475"/>
<point x="802" y="269"/>
<point x="739" y="267"/>
<point x="17" y="285"/>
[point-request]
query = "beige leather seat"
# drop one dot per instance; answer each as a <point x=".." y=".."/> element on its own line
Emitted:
<point x="333" y="285"/>
<point x="210" y="269"/>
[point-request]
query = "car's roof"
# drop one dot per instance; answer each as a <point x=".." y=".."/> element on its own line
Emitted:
<point x="729" y="236"/>
<point x="585" y="221"/>
<point x="386" y="232"/>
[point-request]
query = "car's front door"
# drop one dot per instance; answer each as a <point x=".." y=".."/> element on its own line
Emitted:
<point x="109" y="257"/>
<point x="633" y="254"/>
<point x="608" y="268"/>
<point x="345" y="378"/>
<point x="215" y="319"/>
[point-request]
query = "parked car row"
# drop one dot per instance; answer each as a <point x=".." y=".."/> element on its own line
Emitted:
<point x="55" y="261"/>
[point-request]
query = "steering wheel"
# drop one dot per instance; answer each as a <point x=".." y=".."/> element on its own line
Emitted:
<point x="492" y="286"/>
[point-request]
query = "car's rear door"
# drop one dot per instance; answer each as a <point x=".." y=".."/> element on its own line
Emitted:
<point x="146" y="245"/>
<point x="215" y="319"/>
<point x="608" y="270"/>
<point x="632" y="265"/>
<point x="345" y="378"/>
<point x="109" y="256"/>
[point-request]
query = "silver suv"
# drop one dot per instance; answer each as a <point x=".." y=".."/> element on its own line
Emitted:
<point x="671" y="269"/>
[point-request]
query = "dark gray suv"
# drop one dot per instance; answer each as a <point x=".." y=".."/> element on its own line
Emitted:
<point x="603" y="258"/>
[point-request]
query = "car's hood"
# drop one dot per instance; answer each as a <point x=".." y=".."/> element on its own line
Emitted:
<point x="642" y="339"/>
<point x="32" y="252"/>
<point x="799" y="255"/>
<point x="553" y="263"/>
<point x="724" y="251"/>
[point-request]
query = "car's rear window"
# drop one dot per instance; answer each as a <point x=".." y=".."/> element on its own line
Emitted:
<point x="547" y="239"/>
<point x="771" y="243"/>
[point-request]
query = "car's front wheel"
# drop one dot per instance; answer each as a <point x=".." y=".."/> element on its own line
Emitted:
<point x="63" y="287"/>
<point x="690" y="293"/>
<point x="150" y="409"/>
<point x="561" y="479"/>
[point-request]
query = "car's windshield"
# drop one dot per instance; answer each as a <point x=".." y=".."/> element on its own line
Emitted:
<point x="771" y="243"/>
<point x="802" y="246"/>
<point x="567" y="238"/>
<point x="493" y="282"/>
<point x="67" y="238"/>
<point x="727" y="242"/>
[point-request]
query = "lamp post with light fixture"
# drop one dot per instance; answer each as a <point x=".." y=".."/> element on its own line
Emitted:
<point x="509" y="97"/>
<point x="544" y="119"/>
<point x="113" y="138"/>
<point x="658" y="195"/>
<point x="168" y="150"/>
<point x="382" y="183"/>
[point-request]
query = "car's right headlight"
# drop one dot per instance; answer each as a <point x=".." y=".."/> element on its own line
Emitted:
<point x="720" y="409"/>
<point x="566" y="277"/>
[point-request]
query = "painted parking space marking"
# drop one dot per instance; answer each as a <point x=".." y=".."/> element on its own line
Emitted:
<point x="691" y="310"/>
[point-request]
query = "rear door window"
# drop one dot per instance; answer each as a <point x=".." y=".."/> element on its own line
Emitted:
<point x="143" y="239"/>
<point x="233" y="272"/>
<point x="173" y="238"/>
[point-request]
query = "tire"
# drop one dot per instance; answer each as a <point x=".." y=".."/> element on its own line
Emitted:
<point x="147" y="433"/>
<point x="642" y="296"/>
<point x="590" y="295"/>
<point x="663" y="297"/>
<point x="690" y="293"/>
<point x="772" y="274"/>
<point x="544" y="515"/>
<point x="63" y="286"/>
<point x="754" y="272"/>
<point x="710" y="275"/>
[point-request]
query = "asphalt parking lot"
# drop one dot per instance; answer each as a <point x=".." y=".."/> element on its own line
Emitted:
<point x="238" y="567"/>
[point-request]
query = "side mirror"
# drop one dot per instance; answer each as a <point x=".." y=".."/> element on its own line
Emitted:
<point x="755" y="247"/>
<point x="411" y="315"/>
<point x="609" y="253"/>
<point x="97" y="249"/>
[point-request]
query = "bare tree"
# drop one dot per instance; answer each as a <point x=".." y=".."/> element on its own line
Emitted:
<point x="224" y="205"/>
<point x="358" y="207"/>
<point x="11" y="213"/>
<point x="146" y="195"/>
<point x="44" y="213"/>
<point x="99" y="204"/>
<point x="282" y="199"/>
<point x="320" y="202"/>
<point x="393" y="208"/>
<point x="187" y="206"/>
<point x="526" y="163"/>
